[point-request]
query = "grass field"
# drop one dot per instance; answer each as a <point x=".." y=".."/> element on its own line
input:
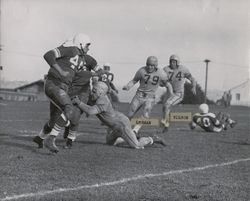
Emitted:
<point x="193" y="166"/>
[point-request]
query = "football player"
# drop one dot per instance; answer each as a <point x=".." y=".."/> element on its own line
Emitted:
<point x="211" y="122"/>
<point x="118" y="123"/>
<point x="150" y="78"/>
<point x="80" y="87"/>
<point x="64" y="62"/>
<point x="107" y="77"/>
<point x="177" y="76"/>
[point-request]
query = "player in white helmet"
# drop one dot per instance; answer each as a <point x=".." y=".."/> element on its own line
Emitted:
<point x="177" y="74"/>
<point x="118" y="123"/>
<point x="64" y="61"/>
<point x="211" y="122"/>
<point x="150" y="78"/>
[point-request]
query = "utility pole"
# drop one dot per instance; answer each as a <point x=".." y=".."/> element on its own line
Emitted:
<point x="206" y="61"/>
<point x="1" y="67"/>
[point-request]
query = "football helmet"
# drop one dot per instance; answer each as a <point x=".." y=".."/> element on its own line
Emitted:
<point x="176" y="58"/>
<point x="79" y="40"/>
<point x="106" y="67"/>
<point x="204" y="108"/>
<point x="151" y="64"/>
<point x="99" y="89"/>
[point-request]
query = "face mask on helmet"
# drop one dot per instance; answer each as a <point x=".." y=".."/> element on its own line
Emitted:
<point x="106" y="67"/>
<point x="82" y="41"/>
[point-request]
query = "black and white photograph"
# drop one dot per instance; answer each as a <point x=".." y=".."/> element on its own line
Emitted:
<point x="124" y="100"/>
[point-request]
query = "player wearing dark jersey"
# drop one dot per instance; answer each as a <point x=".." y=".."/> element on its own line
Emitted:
<point x="107" y="77"/>
<point x="64" y="62"/>
<point x="209" y="121"/>
<point x="80" y="87"/>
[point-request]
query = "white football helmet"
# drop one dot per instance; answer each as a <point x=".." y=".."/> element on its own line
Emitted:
<point x="204" y="108"/>
<point x="79" y="40"/>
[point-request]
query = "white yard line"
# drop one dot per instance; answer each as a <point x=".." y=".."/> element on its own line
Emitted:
<point x="3" y="104"/>
<point x="124" y="180"/>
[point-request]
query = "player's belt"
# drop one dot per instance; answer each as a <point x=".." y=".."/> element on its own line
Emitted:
<point x="143" y="94"/>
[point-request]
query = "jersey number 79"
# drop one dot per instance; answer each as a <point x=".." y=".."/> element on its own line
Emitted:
<point x="155" y="79"/>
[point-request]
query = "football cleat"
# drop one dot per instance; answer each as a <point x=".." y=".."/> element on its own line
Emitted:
<point x="50" y="144"/>
<point x="69" y="144"/>
<point x="158" y="140"/>
<point x="38" y="140"/>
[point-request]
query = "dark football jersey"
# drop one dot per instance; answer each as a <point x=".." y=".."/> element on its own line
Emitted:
<point x="70" y="60"/>
<point x="82" y="76"/>
<point x="206" y="121"/>
<point x="81" y="80"/>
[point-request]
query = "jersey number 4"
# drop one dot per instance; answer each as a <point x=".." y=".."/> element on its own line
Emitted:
<point x="178" y="76"/>
<point x="74" y="63"/>
<point x="155" y="79"/>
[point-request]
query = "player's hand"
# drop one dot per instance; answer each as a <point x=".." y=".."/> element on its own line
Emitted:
<point x="116" y="91"/>
<point x="76" y="100"/>
<point x="194" y="90"/>
<point x="125" y="88"/>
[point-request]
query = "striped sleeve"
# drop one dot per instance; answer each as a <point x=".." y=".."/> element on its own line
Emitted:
<point x="57" y="53"/>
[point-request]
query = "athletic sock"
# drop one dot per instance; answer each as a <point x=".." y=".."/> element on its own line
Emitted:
<point x="45" y="131"/>
<point x="72" y="135"/>
<point x="56" y="130"/>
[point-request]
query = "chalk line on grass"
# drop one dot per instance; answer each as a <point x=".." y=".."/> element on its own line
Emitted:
<point x="124" y="180"/>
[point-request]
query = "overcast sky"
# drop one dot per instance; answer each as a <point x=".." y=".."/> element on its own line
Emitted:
<point x="125" y="32"/>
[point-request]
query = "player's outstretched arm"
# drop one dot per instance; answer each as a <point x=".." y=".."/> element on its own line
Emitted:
<point x="129" y="85"/>
<point x="90" y="110"/>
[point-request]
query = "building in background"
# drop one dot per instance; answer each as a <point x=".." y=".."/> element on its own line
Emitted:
<point x="28" y="92"/>
<point x="240" y="94"/>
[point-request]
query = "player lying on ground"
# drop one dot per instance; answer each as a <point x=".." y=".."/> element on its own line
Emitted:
<point x="177" y="76"/>
<point x="150" y="78"/>
<point x="211" y="122"/>
<point x="64" y="62"/>
<point x="118" y="123"/>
